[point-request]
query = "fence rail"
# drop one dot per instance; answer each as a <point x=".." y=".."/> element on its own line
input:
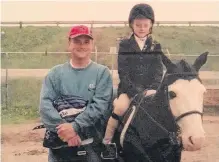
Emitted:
<point x="108" y="53"/>
<point x="92" y="23"/>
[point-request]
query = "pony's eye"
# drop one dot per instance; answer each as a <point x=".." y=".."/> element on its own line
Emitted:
<point x="172" y="94"/>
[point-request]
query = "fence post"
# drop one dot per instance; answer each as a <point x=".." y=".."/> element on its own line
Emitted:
<point x="92" y="26"/>
<point x="168" y="53"/>
<point x="96" y="54"/>
<point x="46" y="52"/>
<point x="6" y="82"/>
<point x="190" y="24"/>
<point x="112" y="52"/>
<point x="20" y="24"/>
<point x="125" y="24"/>
<point x="112" y="65"/>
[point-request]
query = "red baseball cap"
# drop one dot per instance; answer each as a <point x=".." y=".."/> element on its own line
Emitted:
<point x="80" y="30"/>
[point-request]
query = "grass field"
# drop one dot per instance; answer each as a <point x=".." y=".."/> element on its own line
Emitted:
<point x="23" y="100"/>
<point x="178" y="40"/>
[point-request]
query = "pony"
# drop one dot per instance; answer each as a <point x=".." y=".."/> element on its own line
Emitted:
<point x="159" y="127"/>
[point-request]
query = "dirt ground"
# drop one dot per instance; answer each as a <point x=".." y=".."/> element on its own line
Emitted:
<point x="21" y="144"/>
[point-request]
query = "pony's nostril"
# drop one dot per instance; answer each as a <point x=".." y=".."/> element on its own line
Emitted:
<point x="190" y="140"/>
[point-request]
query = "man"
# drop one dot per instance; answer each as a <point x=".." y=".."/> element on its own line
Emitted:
<point x="89" y="86"/>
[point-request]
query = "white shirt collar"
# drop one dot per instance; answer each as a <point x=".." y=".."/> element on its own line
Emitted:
<point x="140" y="41"/>
<point x="84" y="67"/>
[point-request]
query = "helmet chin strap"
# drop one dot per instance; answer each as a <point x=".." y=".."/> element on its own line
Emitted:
<point x="150" y="32"/>
<point x="142" y="37"/>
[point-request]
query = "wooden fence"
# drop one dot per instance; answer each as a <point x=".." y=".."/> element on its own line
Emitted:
<point x="92" y="23"/>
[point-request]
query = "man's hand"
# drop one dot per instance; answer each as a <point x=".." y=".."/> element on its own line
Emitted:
<point x="66" y="131"/>
<point x="75" y="141"/>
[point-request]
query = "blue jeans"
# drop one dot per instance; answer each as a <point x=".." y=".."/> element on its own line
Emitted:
<point x="52" y="158"/>
<point x="70" y="155"/>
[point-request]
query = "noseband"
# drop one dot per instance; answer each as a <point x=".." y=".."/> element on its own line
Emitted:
<point x="187" y="114"/>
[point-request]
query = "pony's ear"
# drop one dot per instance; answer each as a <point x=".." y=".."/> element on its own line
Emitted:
<point x="200" y="61"/>
<point x="167" y="63"/>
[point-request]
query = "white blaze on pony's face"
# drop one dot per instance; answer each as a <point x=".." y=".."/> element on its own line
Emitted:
<point x="186" y="93"/>
<point x="189" y="96"/>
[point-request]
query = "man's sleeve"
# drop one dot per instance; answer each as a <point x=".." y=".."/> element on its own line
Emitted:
<point x="100" y="106"/>
<point x="49" y="115"/>
<point x="123" y="70"/>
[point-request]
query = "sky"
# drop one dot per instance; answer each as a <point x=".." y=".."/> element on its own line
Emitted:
<point x="175" y="10"/>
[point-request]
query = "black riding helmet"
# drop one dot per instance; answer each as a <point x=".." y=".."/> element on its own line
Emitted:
<point x="141" y="10"/>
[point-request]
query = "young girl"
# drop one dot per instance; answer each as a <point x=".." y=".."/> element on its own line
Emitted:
<point x="140" y="65"/>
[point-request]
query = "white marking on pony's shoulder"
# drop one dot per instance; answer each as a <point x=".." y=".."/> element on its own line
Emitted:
<point x="122" y="136"/>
